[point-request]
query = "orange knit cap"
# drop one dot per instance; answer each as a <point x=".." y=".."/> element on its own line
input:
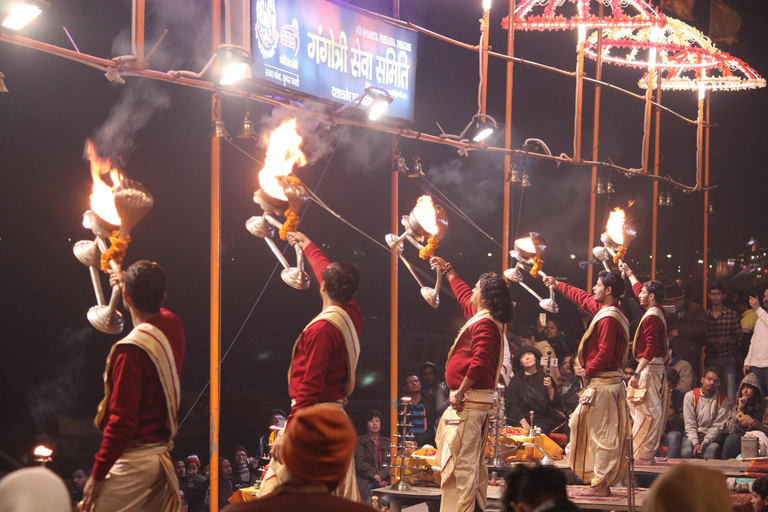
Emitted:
<point x="319" y="444"/>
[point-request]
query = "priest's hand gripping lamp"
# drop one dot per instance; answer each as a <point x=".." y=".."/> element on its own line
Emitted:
<point x="426" y="221"/>
<point x="528" y="251"/>
<point x="619" y="233"/>
<point x="114" y="213"/>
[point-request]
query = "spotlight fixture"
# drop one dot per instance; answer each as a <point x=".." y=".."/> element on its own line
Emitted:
<point x="3" y="88"/>
<point x="376" y="100"/>
<point x="418" y="170"/>
<point x="217" y="127"/>
<point x="479" y="128"/>
<point x="247" y="131"/>
<point x="16" y="14"/>
<point x="235" y="61"/>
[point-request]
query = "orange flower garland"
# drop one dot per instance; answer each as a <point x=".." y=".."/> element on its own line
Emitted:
<point x="432" y="244"/>
<point x="116" y="252"/>
<point x="537" y="264"/>
<point x="290" y="224"/>
<point x="620" y="254"/>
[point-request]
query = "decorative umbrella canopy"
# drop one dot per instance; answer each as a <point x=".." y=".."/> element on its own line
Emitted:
<point x="731" y="74"/>
<point x="674" y="45"/>
<point x="575" y="14"/>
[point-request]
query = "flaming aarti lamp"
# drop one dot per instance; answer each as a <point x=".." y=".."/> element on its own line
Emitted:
<point x="619" y="233"/>
<point x="111" y="217"/>
<point x="278" y="195"/>
<point x="426" y="221"/>
<point x="528" y="251"/>
<point x="42" y="455"/>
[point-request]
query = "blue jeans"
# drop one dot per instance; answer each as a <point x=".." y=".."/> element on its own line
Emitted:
<point x="672" y="440"/>
<point x="686" y="450"/>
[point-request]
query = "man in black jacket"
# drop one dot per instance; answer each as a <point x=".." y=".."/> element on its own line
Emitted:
<point x="372" y="456"/>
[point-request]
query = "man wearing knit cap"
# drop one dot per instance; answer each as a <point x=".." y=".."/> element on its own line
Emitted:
<point x="472" y="373"/>
<point x="325" y="356"/>
<point x="316" y="450"/>
<point x="648" y="393"/>
<point x="600" y="424"/>
<point x="687" y="326"/>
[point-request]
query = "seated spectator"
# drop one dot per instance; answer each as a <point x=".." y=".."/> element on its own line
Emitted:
<point x="243" y="473"/>
<point x="33" y="490"/>
<point x="683" y="369"/>
<point x="556" y="338"/>
<point x="565" y="371"/>
<point x="744" y="415"/>
<point x="317" y="450"/>
<point x="372" y="457"/>
<point x="180" y="468"/>
<point x="536" y="488"/>
<point x="576" y="329"/>
<point x="760" y="494"/>
<point x="704" y="410"/>
<point x="422" y="411"/>
<point x="437" y="391"/>
<point x="689" y="488"/>
<point x="630" y="367"/>
<point x="226" y="486"/>
<point x="527" y="336"/>
<point x="674" y="432"/>
<point x="530" y="390"/>
<point x="276" y="422"/>
<point x="80" y="476"/>
<point x="193" y="483"/>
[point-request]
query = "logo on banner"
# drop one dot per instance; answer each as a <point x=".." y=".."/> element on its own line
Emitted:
<point x="266" y="27"/>
<point x="289" y="36"/>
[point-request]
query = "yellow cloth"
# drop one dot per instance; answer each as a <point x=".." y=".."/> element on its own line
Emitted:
<point x="277" y="474"/>
<point x="460" y="447"/>
<point x="599" y="430"/>
<point x="141" y="479"/>
<point x="146" y="472"/>
<point x="525" y="454"/>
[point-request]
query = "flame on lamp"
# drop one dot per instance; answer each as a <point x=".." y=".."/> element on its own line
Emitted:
<point x="526" y="245"/>
<point x="282" y="154"/>
<point x="615" y="226"/>
<point x="102" y="202"/>
<point x="425" y="214"/>
<point x="42" y="451"/>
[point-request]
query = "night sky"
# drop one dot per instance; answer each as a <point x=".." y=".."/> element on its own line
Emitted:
<point x="51" y="359"/>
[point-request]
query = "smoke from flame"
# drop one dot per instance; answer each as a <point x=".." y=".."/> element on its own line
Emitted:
<point x="283" y="154"/>
<point x="102" y="202"/>
<point x="425" y="214"/>
<point x="615" y="226"/>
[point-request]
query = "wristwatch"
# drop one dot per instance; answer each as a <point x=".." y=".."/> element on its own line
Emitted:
<point x="636" y="375"/>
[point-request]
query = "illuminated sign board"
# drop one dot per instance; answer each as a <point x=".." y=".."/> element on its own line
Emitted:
<point x="333" y="51"/>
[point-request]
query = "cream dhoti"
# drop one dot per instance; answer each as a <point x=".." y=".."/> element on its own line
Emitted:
<point x="142" y="479"/>
<point x="599" y="430"/>
<point x="460" y="453"/>
<point x="277" y="474"/>
<point x="648" y="405"/>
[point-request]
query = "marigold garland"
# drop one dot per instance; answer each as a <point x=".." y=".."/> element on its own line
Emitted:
<point x="290" y="224"/>
<point x="432" y="244"/>
<point x="620" y="254"/>
<point x="116" y="252"/>
<point x="537" y="264"/>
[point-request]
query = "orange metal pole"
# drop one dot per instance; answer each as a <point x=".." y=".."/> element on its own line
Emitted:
<point x="595" y="147"/>
<point x="486" y="34"/>
<point x="647" y="120"/>
<point x="579" y="100"/>
<point x="706" y="199"/>
<point x="656" y="160"/>
<point x="393" y="278"/>
<point x="508" y="139"/>
<point x="215" y="271"/>
<point x="139" y="31"/>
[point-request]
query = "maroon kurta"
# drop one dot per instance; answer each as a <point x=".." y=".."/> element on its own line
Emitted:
<point x="477" y="351"/>
<point x="319" y="371"/>
<point x="650" y="333"/>
<point x="137" y="412"/>
<point x="602" y="353"/>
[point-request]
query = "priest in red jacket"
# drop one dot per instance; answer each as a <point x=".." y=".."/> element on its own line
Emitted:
<point x="472" y="372"/>
<point x="139" y="414"/>
<point x="325" y="356"/>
